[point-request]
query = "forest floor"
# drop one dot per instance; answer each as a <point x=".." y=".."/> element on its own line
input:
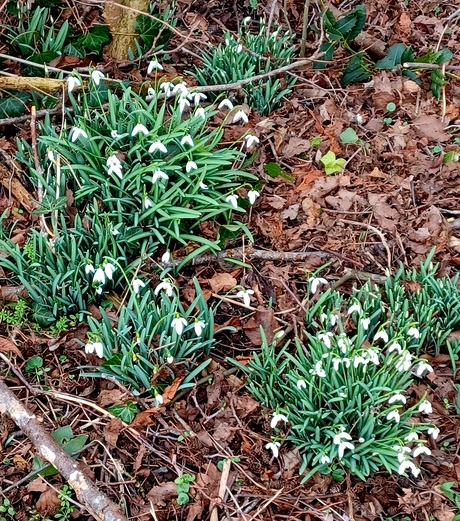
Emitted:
<point x="395" y="200"/>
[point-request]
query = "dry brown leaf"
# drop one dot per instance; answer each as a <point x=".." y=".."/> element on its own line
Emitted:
<point x="430" y="127"/>
<point x="404" y="24"/>
<point x="312" y="211"/>
<point x="37" y="485"/>
<point x="222" y="282"/>
<point x="6" y="346"/>
<point x="295" y="147"/>
<point x="112" y="431"/>
<point x="161" y="494"/>
<point x="48" y="502"/>
<point x="111" y="396"/>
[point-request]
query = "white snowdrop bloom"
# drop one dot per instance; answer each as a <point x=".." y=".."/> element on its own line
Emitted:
<point x="166" y="257"/>
<point x="345" y="445"/>
<point x="422" y="367"/>
<point x="165" y="285"/>
<point x="225" y="103"/>
<point x="425" y="407"/>
<point x="114" y="134"/>
<point x="278" y="417"/>
<point x="252" y="196"/>
<point x="159" y="174"/>
<point x="360" y="360"/>
<point x="77" y="132"/>
<point x="158" y="145"/>
<point x="51" y="157"/>
<point x="158" y="399"/>
<point x="199" y="326"/>
<point x="402" y="450"/>
<point x="151" y="94"/>
<point x="115" y="232"/>
<point x="245" y="294"/>
<point x="89" y="268"/>
<point x="325" y="459"/>
<point x="433" y="432"/>
<point x="178" y="324"/>
<point x="109" y="269"/>
<point x="335" y="363"/>
<point x="412" y="436"/>
<point x="404" y="363"/>
<point x="274" y="447"/>
<point x="240" y="116"/>
<point x="395" y="347"/>
<point x="354" y="308"/>
<point x="147" y="203"/>
<point x="421" y="449"/>
<point x="239" y="48"/>
<point x="342" y="435"/>
<point x="407" y="464"/>
<point x="414" y="332"/>
<point x="183" y="102"/>
<point x="99" y="276"/>
<point x="323" y="318"/>
<point x="115" y="166"/>
<point x="191" y="165"/>
<point x="154" y="65"/>
<point x="72" y="82"/>
<point x="394" y="415"/>
<point x="99" y="290"/>
<point x="365" y="322"/>
<point x="325" y="338"/>
<point x="187" y="139"/>
<point x="251" y="140"/>
<point x="166" y="87"/>
<point x="170" y="359"/>
<point x="137" y="285"/>
<point x="95" y="347"/>
<point x="200" y="113"/>
<point x="383" y="335"/>
<point x="344" y="343"/>
<point x="196" y="97"/>
<point x="398" y="397"/>
<point x="233" y="200"/>
<point x="372" y="355"/>
<point x="180" y="88"/>
<point x="315" y="282"/>
<point x="246" y="20"/>
<point x="301" y="384"/>
<point x="203" y="186"/>
<point x="333" y="319"/>
<point x="139" y="128"/>
<point x="97" y="76"/>
<point x="318" y="370"/>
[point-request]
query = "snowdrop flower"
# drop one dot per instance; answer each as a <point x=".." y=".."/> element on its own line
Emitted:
<point x="240" y="116"/>
<point x="398" y="397"/>
<point x="95" y="347"/>
<point x="342" y="435"/>
<point x="381" y="335"/>
<point x="325" y="338"/>
<point x="203" y="186"/>
<point x="393" y="415"/>
<point x="365" y="323"/>
<point x="158" y="399"/>
<point x="239" y="48"/>
<point x="187" y="139"/>
<point x="433" y="432"/>
<point x="358" y="360"/>
<point x="251" y="140"/>
<point x="150" y="94"/>
<point x="183" y="102"/>
<point x="182" y="88"/>
<point x="421" y="449"/>
<point x="412" y="436"/>
<point x="89" y="268"/>
<point x="167" y="286"/>
<point x="246" y="20"/>
<point x="109" y="269"/>
<point x="166" y="88"/>
<point x="178" y="324"/>
<point x="197" y="97"/>
<point x="301" y="384"/>
<point x="315" y="282"/>
<point x="395" y="347"/>
<point x="199" y="112"/>
<point x="147" y="203"/>
<point x="159" y="174"/>
<point x="72" y="82"/>
<point x="97" y="76"/>
<point x="422" y="367"/>
<point x="170" y="359"/>
<point x="191" y="165"/>
<point x="76" y="133"/>
<point x="50" y="155"/>
<point x="245" y="294"/>
<point x="401" y="450"/>
<point x="158" y="145"/>
<point x="273" y="446"/>
<point x="353" y="308"/>
<point x="404" y="363"/>
<point x="99" y="290"/>
<point x="166" y="257"/>
<point x="425" y="407"/>
<point x="99" y="276"/>
<point x="407" y="464"/>
<point x="414" y="332"/>
<point x="252" y="196"/>
<point x="344" y="343"/>
<point x="139" y="128"/>
<point x="115" y="166"/>
<point x="199" y="326"/>
<point x="154" y="65"/>
<point x="225" y="103"/>
<point x="333" y="319"/>
<point x="233" y="200"/>
<point x="345" y="445"/>
<point x="278" y="418"/>
<point x="114" y="134"/>
<point x="325" y="459"/>
<point x="318" y="370"/>
<point x="115" y="232"/>
<point x="137" y="285"/>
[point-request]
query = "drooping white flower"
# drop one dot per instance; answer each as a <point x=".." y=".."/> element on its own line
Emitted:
<point x="398" y="397"/>
<point x="318" y="370"/>
<point x="167" y="286"/>
<point x="197" y="97"/>
<point x="99" y="276"/>
<point x="425" y="407"/>
<point x="394" y="415"/>
<point x="344" y="343"/>
<point x="115" y="166"/>
<point x="151" y="94"/>
<point x="199" y="326"/>
<point x="325" y="338"/>
<point x="95" y="347"/>
<point x="252" y="196"/>
<point x="381" y="335"/>
<point x="404" y="363"/>
<point x="178" y="324"/>
<point x="166" y="87"/>
<point x="273" y="446"/>
<point x="433" y="432"/>
<point x="325" y="459"/>
<point x="251" y="140"/>
<point x="72" y="82"/>
<point x="50" y="155"/>
<point x="246" y="20"/>
<point x="345" y="445"/>
<point x="422" y="367"/>
<point x="137" y="285"/>
<point x="225" y="103"/>
<point x="159" y="174"/>
<point x="191" y="165"/>
<point x="139" y="128"/>
<point x="245" y="294"/>
<point x="239" y="48"/>
<point x="147" y="203"/>
<point x="154" y="65"/>
<point x="170" y="359"/>
<point x="278" y="417"/>
<point x="181" y="88"/>
<point x="76" y="132"/>
<point x="99" y="290"/>
<point x="412" y="436"/>
<point x="365" y="322"/>
<point x="301" y="384"/>
<point x="203" y="186"/>
<point x="414" y="332"/>
<point x="354" y="308"/>
<point x="109" y="269"/>
<point x="158" y="145"/>
<point x="187" y="139"/>
<point x="395" y="347"/>
<point x="315" y="282"/>
<point x="240" y="116"/>
<point x="89" y="268"/>
<point x="114" y="134"/>
<point x="166" y="257"/>
<point x="200" y="113"/>
<point x="342" y="435"/>
<point x="407" y="464"/>
<point x="233" y="200"/>
<point x="158" y="399"/>
<point x="402" y="452"/>
<point x="421" y="449"/>
<point x="183" y="102"/>
<point x="97" y="76"/>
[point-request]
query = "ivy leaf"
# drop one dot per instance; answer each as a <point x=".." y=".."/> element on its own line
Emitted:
<point x="14" y="105"/>
<point x="71" y="50"/>
<point x="93" y="41"/>
<point x="125" y="412"/>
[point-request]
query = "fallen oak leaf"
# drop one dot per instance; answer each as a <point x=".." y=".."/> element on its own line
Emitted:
<point x="6" y="346"/>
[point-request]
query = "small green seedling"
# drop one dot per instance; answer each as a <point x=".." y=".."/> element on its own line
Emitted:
<point x="183" y="487"/>
<point x="452" y="495"/>
<point x="220" y="463"/>
<point x="391" y="107"/>
<point x="451" y="156"/>
<point x="332" y="164"/>
<point x="6" y="510"/>
<point x="315" y="141"/>
<point x="349" y="136"/>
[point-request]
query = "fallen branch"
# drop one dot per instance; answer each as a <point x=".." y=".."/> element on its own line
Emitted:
<point x="96" y="502"/>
